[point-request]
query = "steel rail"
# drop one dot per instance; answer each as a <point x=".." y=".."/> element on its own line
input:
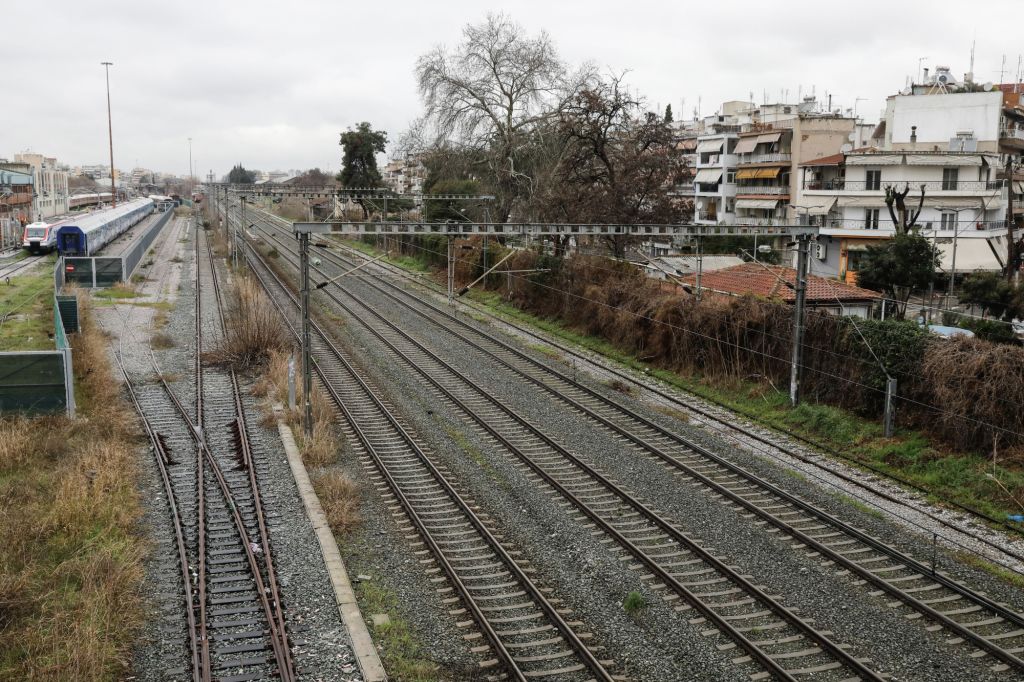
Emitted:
<point x="162" y="460"/>
<point x="494" y="639"/>
<point x="665" y="526"/>
<point x="277" y="626"/>
<point x="978" y="640"/>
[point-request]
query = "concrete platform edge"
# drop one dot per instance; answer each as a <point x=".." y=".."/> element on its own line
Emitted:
<point x="362" y="644"/>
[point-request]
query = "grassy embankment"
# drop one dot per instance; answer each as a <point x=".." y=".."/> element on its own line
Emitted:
<point x="28" y="303"/>
<point x="70" y="546"/>
<point x="969" y="479"/>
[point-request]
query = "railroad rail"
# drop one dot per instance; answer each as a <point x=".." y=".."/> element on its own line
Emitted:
<point x="993" y="628"/>
<point x="729" y="601"/>
<point x="10" y="269"/>
<point x="523" y="628"/>
<point x="233" y="611"/>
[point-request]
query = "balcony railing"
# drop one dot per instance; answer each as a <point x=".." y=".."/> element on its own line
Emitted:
<point x="748" y="220"/>
<point x="778" y="157"/>
<point x="706" y="187"/>
<point x="761" y="189"/>
<point x="929" y="185"/>
<point x="708" y="216"/>
<point x="1016" y="133"/>
<point x="927" y="228"/>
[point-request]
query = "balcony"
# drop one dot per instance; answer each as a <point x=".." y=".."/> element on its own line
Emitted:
<point x="843" y="185"/>
<point x="755" y="221"/>
<point x="1012" y="133"/>
<point x="773" y="190"/>
<point x="777" y="157"/>
<point x="930" y="228"/>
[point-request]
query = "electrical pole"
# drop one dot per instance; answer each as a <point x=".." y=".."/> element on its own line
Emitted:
<point x="451" y="273"/>
<point x="700" y="263"/>
<point x="1011" y="246"/>
<point x="110" y="136"/>
<point x="234" y="236"/>
<point x="803" y="244"/>
<point x="191" y="181"/>
<point x="307" y="375"/>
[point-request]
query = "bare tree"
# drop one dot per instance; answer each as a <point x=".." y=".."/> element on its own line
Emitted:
<point x="618" y="164"/>
<point x="492" y="93"/>
<point x="902" y="219"/>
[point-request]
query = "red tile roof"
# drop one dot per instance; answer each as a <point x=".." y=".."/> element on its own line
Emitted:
<point x="767" y="281"/>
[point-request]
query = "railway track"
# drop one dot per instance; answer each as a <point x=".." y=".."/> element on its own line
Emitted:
<point x="234" y="616"/>
<point x="968" y="616"/>
<point x="783" y="645"/>
<point x="524" y="633"/>
<point x="11" y="269"/>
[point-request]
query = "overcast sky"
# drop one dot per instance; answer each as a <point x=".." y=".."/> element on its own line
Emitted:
<point x="271" y="84"/>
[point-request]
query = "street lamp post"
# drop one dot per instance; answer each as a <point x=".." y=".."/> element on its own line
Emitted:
<point x="110" y="136"/>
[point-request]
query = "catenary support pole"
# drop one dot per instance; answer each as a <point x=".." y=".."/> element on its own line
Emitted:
<point x="889" y="419"/>
<point x="307" y="369"/>
<point x="700" y="263"/>
<point x="451" y="273"/>
<point x="803" y="243"/>
<point x="234" y="239"/>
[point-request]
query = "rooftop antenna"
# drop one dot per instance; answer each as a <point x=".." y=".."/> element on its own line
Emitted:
<point x="1002" y="69"/>
<point x="919" y="61"/>
<point x="973" y="43"/>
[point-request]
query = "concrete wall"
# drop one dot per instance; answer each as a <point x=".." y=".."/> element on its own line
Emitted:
<point x="939" y="117"/>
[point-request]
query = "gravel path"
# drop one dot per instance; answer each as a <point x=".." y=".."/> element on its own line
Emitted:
<point x="320" y="641"/>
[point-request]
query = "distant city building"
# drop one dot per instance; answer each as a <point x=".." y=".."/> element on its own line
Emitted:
<point x="951" y="139"/>
<point x="50" y="185"/>
<point x="405" y="175"/>
<point x="15" y="201"/>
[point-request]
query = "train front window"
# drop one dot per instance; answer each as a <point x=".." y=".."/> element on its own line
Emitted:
<point x="35" y="232"/>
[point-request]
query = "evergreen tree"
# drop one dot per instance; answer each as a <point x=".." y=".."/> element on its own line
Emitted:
<point x="668" y="113"/>
<point x="359" y="161"/>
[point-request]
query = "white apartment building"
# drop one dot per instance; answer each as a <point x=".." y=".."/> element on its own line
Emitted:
<point x="405" y="175"/>
<point x="951" y="141"/>
<point x="50" y="185"/>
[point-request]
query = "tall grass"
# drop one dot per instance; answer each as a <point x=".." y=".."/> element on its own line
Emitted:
<point x="253" y="329"/>
<point x="70" y="547"/>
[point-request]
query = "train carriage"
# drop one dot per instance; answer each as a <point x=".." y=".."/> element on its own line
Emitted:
<point x="89" y="234"/>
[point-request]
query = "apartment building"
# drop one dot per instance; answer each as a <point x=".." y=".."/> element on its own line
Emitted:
<point x="15" y="201"/>
<point x="950" y="141"/>
<point x="405" y="175"/>
<point x="50" y="185"/>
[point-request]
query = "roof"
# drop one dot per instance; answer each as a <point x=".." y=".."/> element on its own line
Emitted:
<point x="767" y="281"/>
<point x="678" y="265"/>
<point x="831" y="160"/>
<point x="97" y="219"/>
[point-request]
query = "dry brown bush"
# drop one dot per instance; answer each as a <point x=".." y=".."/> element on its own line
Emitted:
<point x="339" y="499"/>
<point x="253" y="329"/>
<point x="161" y="341"/>
<point x="975" y="384"/>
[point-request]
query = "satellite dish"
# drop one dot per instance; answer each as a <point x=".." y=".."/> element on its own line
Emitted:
<point x="700" y="204"/>
<point x="846" y="147"/>
<point x="987" y="87"/>
<point x="851" y="136"/>
<point x="906" y="91"/>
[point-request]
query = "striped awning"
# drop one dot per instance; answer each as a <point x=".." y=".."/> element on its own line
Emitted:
<point x="710" y="146"/>
<point x="758" y="173"/>
<point x="746" y="145"/>
<point x="760" y="204"/>
<point x="708" y="176"/>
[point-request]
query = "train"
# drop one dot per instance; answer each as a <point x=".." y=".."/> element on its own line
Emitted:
<point x="94" y="199"/>
<point x="85" y="235"/>
<point x="40" y="237"/>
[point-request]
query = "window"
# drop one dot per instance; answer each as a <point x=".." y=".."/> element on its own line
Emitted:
<point x="871" y="218"/>
<point x="948" y="220"/>
<point x="874" y="179"/>
<point x="730" y="178"/>
<point x="949" y="178"/>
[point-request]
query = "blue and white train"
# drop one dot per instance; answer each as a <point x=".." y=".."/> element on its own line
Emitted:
<point x="86" y="235"/>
